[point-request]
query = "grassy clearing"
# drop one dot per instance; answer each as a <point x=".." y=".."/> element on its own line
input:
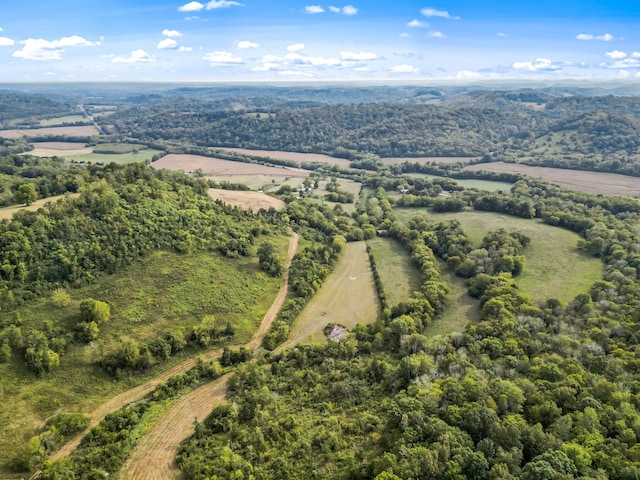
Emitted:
<point x="106" y="158"/>
<point x="348" y="297"/>
<point x="266" y="183"/>
<point x="346" y="185"/>
<point x="555" y="267"/>
<point x="168" y="290"/>
<point x="118" y="148"/>
<point x="400" y="278"/>
<point x="487" y="185"/>
<point x="58" y="121"/>
<point x="7" y="212"/>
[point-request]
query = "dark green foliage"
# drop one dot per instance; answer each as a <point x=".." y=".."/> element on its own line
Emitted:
<point x="26" y="194"/>
<point x="92" y="310"/>
<point x="268" y="260"/>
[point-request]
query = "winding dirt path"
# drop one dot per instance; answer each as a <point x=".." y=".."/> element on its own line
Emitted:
<point x="182" y="409"/>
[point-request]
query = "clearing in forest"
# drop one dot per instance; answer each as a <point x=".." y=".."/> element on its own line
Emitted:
<point x="218" y="166"/>
<point x="246" y="199"/>
<point x="301" y="158"/>
<point x="487" y="185"/>
<point x="347" y="297"/>
<point x="7" y="212"/>
<point x="608" y="184"/>
<point x="554" y="268"/>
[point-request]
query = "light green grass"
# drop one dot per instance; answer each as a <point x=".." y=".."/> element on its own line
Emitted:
<point x="555" y="268"/>
<point x="119" y="148"/>
<point x="486" y="185"/>
<point x="166" y="291"/>
<point x="142" y="156"/>
<point x="400" y="277"/>
<point x="59" y="121"/>
<point x="266" y="183"/>
<point x="346" y="185"/>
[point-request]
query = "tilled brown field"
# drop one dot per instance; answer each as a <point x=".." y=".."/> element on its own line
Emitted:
<point x="301" y="158"/>
<point x="218" y="166"/>
<point x="608" y="184"/>
<point x="246" y="199"/>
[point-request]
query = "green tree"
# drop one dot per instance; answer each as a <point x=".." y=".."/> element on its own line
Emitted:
<point x="92" y="310"/>
<point x="26" y="194"/>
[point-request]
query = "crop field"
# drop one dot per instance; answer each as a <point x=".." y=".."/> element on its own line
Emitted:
<point x="608" y="184"/>
<point x="301" y="158"/>
<point x="52" y="122"/>
<point x="7" y="212"/>
<point x="487" y="185"/>
<point x="555" y="268"/>
<point x="425" y="160"/>
<point x="59" y="149"/>
<point x="142" y="156"/>
<point x="168" y="290"/>
<point x="84" y="131"/>
<point x="217" y="166"/>
<point x="247" y="200"/>
<point x="400" y="277"/>
<point x="347" y="297"/>
<point x="119" y="148"/>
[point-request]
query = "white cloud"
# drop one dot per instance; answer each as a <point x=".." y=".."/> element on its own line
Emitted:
<point x="40" y="49"/>
<point x="417" y="23"/>
<point x="267" y="67"/>
<point x="404" y="68"/>
<point x="607" y="37"/>
<point x="185" y="49"/>
<point x="167" y="44"/>
<point x="297" y="59"/>
<point x="405" y="35"/>
<point x="6" y="42"/>
<point x="346" y="10"/>
<point x="294" y="73"/>
<point x="215" y="4"/>
<point x="436" y="35"/>
<point x="467" y="74"/>
<point x="137" y="56"/>
<point x="615" y="55"/>
<point x="539" y="65"/>
<point x="191" y="7"/>
<point x="432" y="12"/>
<point x="296" y="47"/>
<point x="362" y="69"/>
<point x="171" y="33"/>
<point x="622" y="63"/>
<point x="313" y="9"/>
<point x="335" y="9"/>
<point x="359" y="56"/>
<point x="501" y="34"/>
<point x="244" y="44"/>
<point x="219" y="58"/>
<point x="1" y="29"/>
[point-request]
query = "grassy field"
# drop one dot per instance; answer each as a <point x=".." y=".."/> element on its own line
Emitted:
<point x="266" y="183"/>
<point x="168" y="290"/>
<point x="347" y="185"/>
<point x="83" y="131"/>
<point x="106" y="158"/>
<point x="54" y="122"/>
<point x="247" y="200"/>
<point x="118" y="148"/>
<point x="486" y="185"/>
<point x="348" y="297"/>
<point x="7" y="212"/>
<point x="400" y="278"/>
<point x="555" y="267"/>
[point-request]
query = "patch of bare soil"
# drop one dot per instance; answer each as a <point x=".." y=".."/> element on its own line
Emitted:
<point x="217" y="166"/>
<point x="246" y="199"/>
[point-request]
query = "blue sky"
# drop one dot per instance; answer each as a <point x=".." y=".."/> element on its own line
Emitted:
<point x="294" y="40"/>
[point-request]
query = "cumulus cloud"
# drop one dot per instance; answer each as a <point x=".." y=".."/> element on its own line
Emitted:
<point x="359" y="56"/>
<point x="137" y="56"/>
<point x="6" y="42"/>
<point x="294" y="59"/>
<point x="313" y="9"/>
<point x="346" y="10"/>
<point x="622" y="63"/>
<point x="539" y="65"/>
<point x="221" y="58"/>
<point x="185" y="49"/>
<point x="607" y="37"/>
<point x="167" y="44"/>
<point x="296" y="47"/>
<point x="467" y="74"/>
<point x="244" y="44"/>
<point x="191" y="7"/>
<point x="294" y="73"/>
<point x="432" y="12"/>
<point x="436" y="35"/>
<point x="417" y="23"/>
<point x="362" y="69"/>
<point x="40" y="49"/>
<point x="615" y="55"/>
<point x="171" y="33"/>
<point x="404" y="68"/>
<point x="215" y="4"/>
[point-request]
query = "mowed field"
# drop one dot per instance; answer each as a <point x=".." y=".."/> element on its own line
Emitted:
<point x="347" y="297"/>
<point x="425" y="160"/>
<point x="60" y="149"/>
<point x="218" y="166"/>
<point x="554" y="268"/>
<point x="245" y="199"/>
<point x="301" y="158"/>
<point x="84" y="131"/>
<point x="608" y="184"/>
<point x="487" y="185"/>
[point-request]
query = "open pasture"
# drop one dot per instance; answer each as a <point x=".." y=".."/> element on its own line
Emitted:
<point x="608" y="184"/>
<point x="301" y="158"/>
<point x="347" y="297"/>
<point x="53" y="122"/>
<point x="247" y="200"/>
<point x="427" y="160"/>
<point x="84" y="131"/>
<point x="142" y="156"/>
<point x="218" y="166"/>
<point x="346" y="185"/>
<point x="59" y="149"/>
<point x="487" y="185"/>
<point x="554" y="268"/>
<point x="266" y="183"/>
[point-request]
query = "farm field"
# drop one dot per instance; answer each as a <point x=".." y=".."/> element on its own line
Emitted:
<point x="52" y="122"/>
<point x="425" y="160"/>
<point x="59" y="149"/>
<point x="7" y="212"/>
<point x="143" y="156"/>
<point x="608" y="184"/>
<point x="400" y="278"/>
<point x="487" y="185"/>
<point x="555" y="268"/>
<point x="347" y="185"/>
<point x="168" y="290"/>
<point x="217" y="166"/>
<point x="245" y="199"/>
<point x="301" y="158"/>
<point x="347" y="297"/>
<point x="84" y="131"/>
<point x="266" y="183"/>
